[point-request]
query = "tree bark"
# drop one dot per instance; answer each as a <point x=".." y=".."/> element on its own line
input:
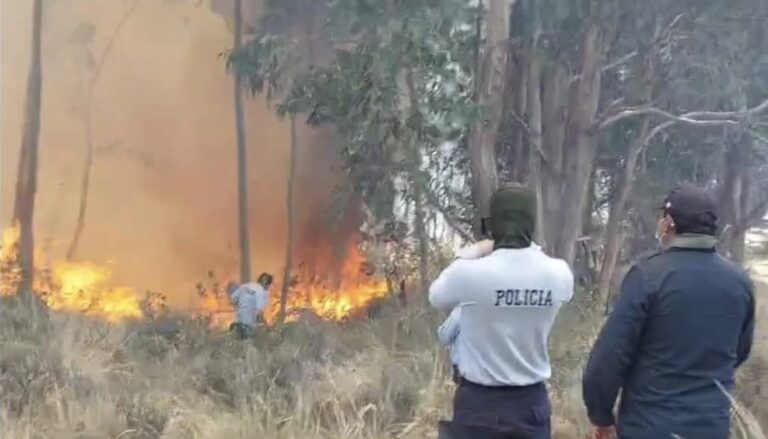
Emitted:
<point x="26" y="180"/>
<point x="421" y="235"/>
<point x="536" y="150"/>
<point x="89" y="147"/>
<point x="291" y="221"/>
<point x="489" y="90"/>
<point x="419" y="200"/>
<point x="242" y="156"/>
<point x="580" y="159"/>
<point x="734" y="195"/>
<point x="612" y="235"/>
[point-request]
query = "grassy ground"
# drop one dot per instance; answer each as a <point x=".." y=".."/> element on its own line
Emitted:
<point x="68" y="377"/>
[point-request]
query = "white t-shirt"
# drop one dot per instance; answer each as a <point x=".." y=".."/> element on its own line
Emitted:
<point x="250" y="300"/>
<point x="509" y="301"/>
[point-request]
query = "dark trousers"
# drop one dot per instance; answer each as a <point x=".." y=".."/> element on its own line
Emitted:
<point x="518" y="412"/>
<point x="240" y="330"/>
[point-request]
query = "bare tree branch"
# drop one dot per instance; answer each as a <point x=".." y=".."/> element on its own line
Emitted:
<point x="619" y="61"/>
<point x="699" y="118"/>
<point x="108" y="48"/>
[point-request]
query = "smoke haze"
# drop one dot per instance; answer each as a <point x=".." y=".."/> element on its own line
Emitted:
<point x="162" y="208"/>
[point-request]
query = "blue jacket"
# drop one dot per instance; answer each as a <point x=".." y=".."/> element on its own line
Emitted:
<point x="683" y="321"/>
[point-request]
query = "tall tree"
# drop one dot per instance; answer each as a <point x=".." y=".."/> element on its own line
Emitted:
<point x="242" y="156"/>
<point x="87" y="115"/>
<point x="290" y="212"/>
<point x="26" y="179"/>
<point x="489" y="77"/>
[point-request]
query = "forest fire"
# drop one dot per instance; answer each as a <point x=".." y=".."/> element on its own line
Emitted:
<point x="85" y="287"/>
<point x="10" y="273"/>
<point x="334" y="296"/>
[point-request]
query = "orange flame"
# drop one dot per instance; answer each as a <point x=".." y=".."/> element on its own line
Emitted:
<point x="85" y="287"/>
<point x="10" y="271"/>
<point x="328" y="300"/>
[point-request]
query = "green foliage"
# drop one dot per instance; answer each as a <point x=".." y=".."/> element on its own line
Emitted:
<point x="362" y="91"/>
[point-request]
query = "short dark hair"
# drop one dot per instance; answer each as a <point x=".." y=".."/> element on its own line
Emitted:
<point x="265" y="279"/>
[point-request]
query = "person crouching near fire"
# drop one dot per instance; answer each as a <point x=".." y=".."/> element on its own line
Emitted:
<point x="250" y="301"/>
<point x="510" y="293"/>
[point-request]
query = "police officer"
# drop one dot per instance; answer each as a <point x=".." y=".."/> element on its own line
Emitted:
<point x="682" y="324"/>
<point x="509" y="292"/>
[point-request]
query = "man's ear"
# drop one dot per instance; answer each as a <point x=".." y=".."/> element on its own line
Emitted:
<point x="670" y="224"/>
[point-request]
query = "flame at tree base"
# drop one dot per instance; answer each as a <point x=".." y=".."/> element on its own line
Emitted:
<point x="85" y="287"/>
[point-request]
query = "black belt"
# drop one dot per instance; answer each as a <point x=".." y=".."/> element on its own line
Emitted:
<point x="465" y="382"/>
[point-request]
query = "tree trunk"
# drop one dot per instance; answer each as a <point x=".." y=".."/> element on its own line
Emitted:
<point x="552" y="101"/>
<point x="421" y="235"/>
<point x="489" y="90"/>
<point x="89" y="147"/>
<point x="613" y="236"/>
<point x="242" y="174"/>
<point x="26" y="180"/>
<point x="582" y="147"/>
<point x="291" y="221"/>
<point x="85" y="183"/>
<point x="418" y="191"/>
<point x="734" y="194"/>
<point x="536" y="150"/>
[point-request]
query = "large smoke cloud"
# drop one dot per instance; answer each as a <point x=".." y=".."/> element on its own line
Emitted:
<point x="162" y="206"/>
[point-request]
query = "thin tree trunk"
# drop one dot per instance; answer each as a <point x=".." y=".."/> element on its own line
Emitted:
<point x="580" y="159"/>
<point x="489" y="90"/>
<point x="422" y="237"/>
<point x="418" y="193"/>
<point x="89" y="148"/>
<point x="613" y="236"/>
<point x="85" y="184"/>
<point x="291" y="221"/>
<point x="521" y="156"/>
<point x="536" y="150"/>
<point x="242" y="157"/>
<point x="26" y="180"/>
<point x="739" y="244"/>
<point x="552" y="99"/>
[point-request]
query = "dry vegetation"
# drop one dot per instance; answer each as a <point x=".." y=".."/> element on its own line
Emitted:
<point x="383" y="377"/>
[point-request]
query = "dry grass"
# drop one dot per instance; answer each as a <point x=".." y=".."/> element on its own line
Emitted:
<point x="68" y="377"/>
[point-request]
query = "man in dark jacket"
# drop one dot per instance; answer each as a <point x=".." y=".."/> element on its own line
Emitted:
<point x="682" y="324"/>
